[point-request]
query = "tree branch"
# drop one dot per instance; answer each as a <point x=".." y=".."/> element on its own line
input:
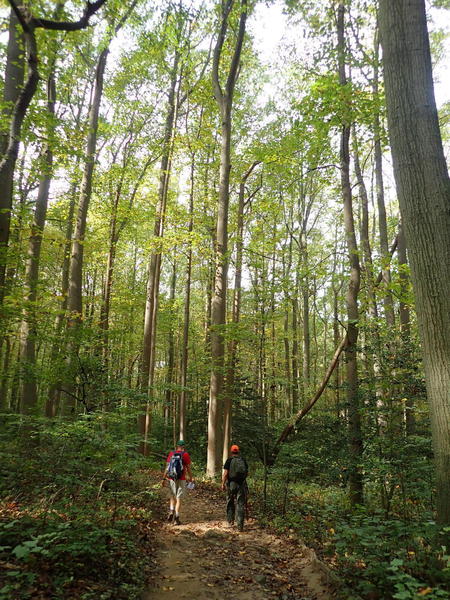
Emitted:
<point x="218" y="92"/>
<point x="232" y="75"/>
<point x="308" y="406"/>
<point x="90" y="9"/>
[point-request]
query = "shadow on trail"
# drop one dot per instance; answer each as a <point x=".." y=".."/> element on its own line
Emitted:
<point x="203" y="558"/>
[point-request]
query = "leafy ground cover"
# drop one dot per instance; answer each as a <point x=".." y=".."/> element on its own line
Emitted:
<point x="76" y="518"/>
<point x="376" y="558"/>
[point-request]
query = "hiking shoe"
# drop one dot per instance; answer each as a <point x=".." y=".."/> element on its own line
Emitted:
<point x="230" y="524"/>
<point x="170" y="517"/>
<point x="176" y="521"/>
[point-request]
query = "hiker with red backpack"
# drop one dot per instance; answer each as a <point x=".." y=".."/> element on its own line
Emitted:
<point x="178" y="465"/>
<point x="235" y="471"/>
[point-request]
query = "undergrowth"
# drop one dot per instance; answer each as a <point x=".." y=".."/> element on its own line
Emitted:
<point x="375" y="558"/>
<point x="75" y="512"/>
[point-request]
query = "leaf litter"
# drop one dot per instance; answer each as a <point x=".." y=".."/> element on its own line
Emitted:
<point x="205" y="559"/>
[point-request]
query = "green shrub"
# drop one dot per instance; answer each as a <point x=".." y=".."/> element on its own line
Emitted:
<point x="76" y="506"/>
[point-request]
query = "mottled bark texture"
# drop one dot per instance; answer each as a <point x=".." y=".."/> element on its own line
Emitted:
<point x="423" y="188"/>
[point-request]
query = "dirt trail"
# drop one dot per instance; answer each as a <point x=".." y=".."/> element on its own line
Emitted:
<point x="204" y="559"/>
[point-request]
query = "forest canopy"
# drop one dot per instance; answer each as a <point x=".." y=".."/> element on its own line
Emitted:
<point x="228" y="221"/>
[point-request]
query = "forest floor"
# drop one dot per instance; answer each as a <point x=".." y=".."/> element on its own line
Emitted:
<point x="205" y="559"/>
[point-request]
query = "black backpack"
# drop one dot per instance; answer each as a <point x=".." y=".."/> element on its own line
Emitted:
<point x="175" y="466"/>
<point x="238" y="469"/>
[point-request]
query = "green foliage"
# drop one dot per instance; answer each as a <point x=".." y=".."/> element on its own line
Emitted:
<point x="75" y="501"/>
<point x="379" y="553"/>
<point x="398" y="559"/>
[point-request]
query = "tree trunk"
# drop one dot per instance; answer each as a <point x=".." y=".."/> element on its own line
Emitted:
<point x="170" y="404"/>
<point x="365" y="236"/>
<point x="235" y="317"/>
<point x="405" y="329"/>
<point x="382" y="221"/>
<point x="28" y="333"/>
<point x="355" y="445"/>
<point x="218" y="306"/>
<point x="151" y="305"/>
<point x="76" y="262"/>
<point x="74" y="300"/>
<point x="59" y="343"/>
<point x="14" y="74"/>
<point x="295" y="357"/>
<point x="224" y="100"/>
<point x="306" y="332"/>
<point x="423" y="188"/>
<point x="187" y="309"/>
<point x="22" y="97"/>
<point x="287" y="352"/>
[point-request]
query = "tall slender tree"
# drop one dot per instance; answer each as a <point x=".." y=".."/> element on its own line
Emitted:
<point x="355" y="436"/>
<point x="224" y="97"/>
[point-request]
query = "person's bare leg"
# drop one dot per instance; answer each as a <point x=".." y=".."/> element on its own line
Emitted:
<point x="171" y="508"/>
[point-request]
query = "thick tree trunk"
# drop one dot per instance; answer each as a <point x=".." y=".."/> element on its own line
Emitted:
<point x="13" y="82"/>
<point x="14" y="75"/>
<point x="423" y="188"/>
<point x="22" y="97"/>
<point x="355" y="441"/>
<point x="218" y="306"/>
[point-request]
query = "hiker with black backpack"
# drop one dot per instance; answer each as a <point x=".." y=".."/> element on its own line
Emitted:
<point x="178" y="465"/>
<point x="235" y="471"/>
